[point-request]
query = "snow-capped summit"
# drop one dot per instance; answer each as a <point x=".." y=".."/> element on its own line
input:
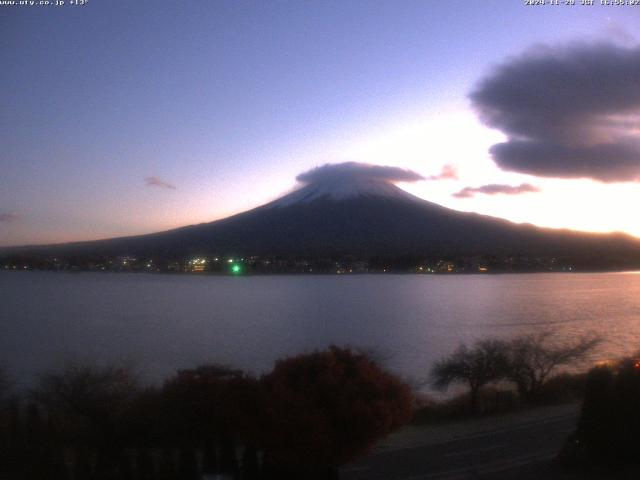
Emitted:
<point x="343" y="189"/>
<point x="350" y="180"/>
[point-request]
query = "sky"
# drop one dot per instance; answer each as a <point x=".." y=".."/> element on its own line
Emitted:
<point x="122" y="118"/>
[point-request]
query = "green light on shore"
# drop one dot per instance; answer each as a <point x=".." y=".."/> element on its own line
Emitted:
<point x="235" y="268"/>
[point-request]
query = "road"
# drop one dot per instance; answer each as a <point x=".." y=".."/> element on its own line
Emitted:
<point x="483" y="455"/>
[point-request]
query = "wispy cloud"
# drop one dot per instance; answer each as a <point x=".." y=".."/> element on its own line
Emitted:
<point x="496" y="189"/>
<point x="158" y="182"/>
<point x="9" y="217"/>
<point x="568" y="111"/>
<point x="358" y="171"/>
<point x="448" y="172"/>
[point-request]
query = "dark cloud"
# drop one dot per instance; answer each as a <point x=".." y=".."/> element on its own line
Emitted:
<point x="358" y="171"/>
<point x="9" y="217"/>
<point x="568" y="112"/>
<point x="495" y="189"/>
<point x="448" y="172"/>
<point x="158" y="182"/>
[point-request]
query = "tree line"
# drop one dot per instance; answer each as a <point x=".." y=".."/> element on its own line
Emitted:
<point x="310" y="414"/>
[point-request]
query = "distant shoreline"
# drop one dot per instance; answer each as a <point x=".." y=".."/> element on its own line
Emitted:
<point x="325" y="274"/>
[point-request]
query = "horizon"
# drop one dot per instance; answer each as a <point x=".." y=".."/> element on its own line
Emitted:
<point x="327" y="177"/>
<point x="130" y="119"/>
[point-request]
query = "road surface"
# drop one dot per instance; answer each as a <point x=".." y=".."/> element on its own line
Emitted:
<point x="488" y="454"/>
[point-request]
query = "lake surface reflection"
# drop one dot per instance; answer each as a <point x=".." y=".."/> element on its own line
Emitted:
<point x="164" y="322"/>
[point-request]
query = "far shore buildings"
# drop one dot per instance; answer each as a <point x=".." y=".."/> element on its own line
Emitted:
<point x="265" y="265"/>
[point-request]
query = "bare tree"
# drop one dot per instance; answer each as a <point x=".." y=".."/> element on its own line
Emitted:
<point x="533" y="358"/>
<point x="477" y="366"/>
<point x="86" y="402"/>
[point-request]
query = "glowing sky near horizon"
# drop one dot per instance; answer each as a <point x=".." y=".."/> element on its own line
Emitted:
<point x="124" y="117"/>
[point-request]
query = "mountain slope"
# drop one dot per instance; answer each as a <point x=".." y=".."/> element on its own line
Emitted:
<point x="363" y="219"/>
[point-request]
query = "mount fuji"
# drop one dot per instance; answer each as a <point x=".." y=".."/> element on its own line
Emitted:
<point x="357" y="210"/>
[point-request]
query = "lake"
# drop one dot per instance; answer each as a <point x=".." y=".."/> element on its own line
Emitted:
<point x="162" y="322"/>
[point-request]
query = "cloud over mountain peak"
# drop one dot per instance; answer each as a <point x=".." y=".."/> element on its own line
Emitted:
<point x="354" y="171"/>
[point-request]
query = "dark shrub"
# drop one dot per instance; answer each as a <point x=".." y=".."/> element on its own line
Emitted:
<point x="211" y="402"/>
<point x="563" y="387"/>
<point x="609" y="425"/>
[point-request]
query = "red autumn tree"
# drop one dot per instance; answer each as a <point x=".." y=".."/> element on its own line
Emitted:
<point x="328" y="407"/>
